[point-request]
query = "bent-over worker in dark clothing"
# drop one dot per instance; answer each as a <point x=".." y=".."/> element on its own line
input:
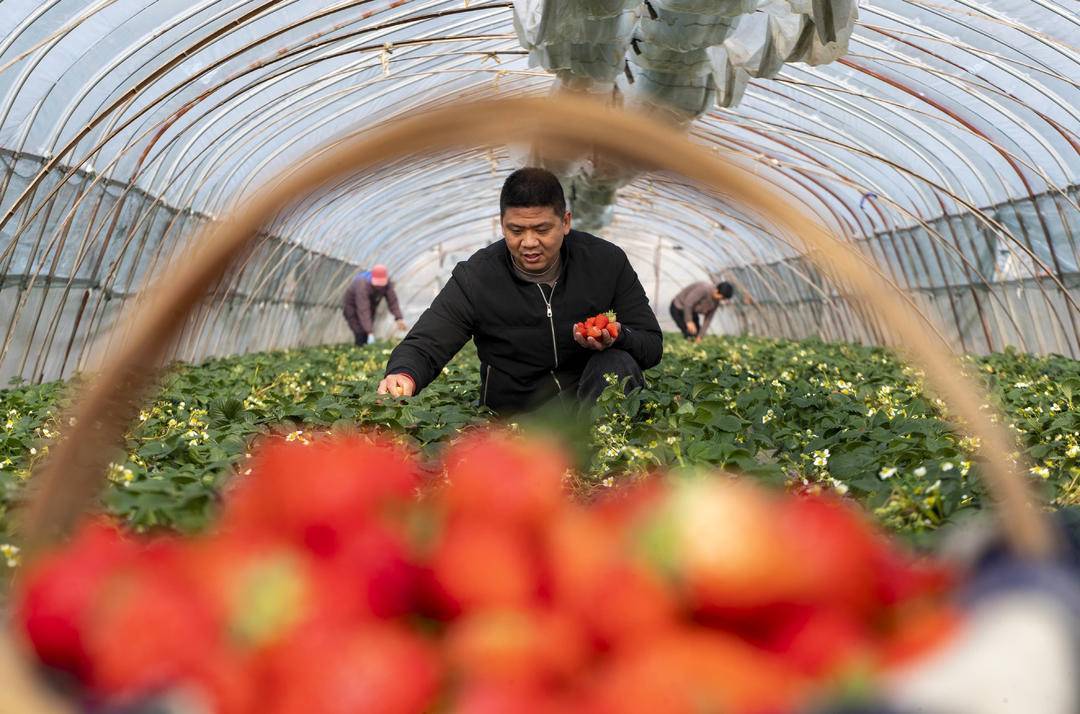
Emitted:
<point x="693" y="308"/>
<point x="518" y="299"/>
<point x="362" y="299"/>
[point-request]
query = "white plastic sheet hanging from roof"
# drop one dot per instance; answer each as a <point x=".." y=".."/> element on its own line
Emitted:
<point x="584" y="38"/>
<point x="680" y="57"/>
<point x="664" y="25"/>
<point x="668" y="61"/>
<point x="591" y="38"/>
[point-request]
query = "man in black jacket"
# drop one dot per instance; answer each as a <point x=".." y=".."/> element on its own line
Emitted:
<point x="518" y="300"/>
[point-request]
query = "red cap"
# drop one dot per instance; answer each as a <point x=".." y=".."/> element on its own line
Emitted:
<point x="379" y="276"/>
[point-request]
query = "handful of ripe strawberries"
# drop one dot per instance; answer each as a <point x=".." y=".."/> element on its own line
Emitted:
<point x="596" y="326"/>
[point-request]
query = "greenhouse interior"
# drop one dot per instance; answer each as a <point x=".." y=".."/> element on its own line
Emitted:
<point x="485" y="357"/>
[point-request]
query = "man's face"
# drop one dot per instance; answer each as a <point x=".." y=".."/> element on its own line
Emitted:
<point x="534" y="235"/>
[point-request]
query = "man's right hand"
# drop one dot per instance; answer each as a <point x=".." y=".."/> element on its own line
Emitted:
<point x="397" y="385"/>
<point x="691" y="328"/>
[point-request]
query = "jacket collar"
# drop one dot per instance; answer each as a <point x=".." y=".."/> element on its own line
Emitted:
<point x="564" y="258"/>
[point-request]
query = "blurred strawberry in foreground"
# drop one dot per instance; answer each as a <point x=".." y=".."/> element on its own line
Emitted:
<point x="58" y="593"/>
<point x="486" y="697"/>
<point x="499" y="477"/>
<point x="694" y="670"/>
<point x="718" y="540"/>
<point x="480" y="565"/>
<point x="379" y="668"/>
<point x="332" y="585"/>
<point x="146" y="633"/>
<point x="521" y="647"/>
<point x="818" y="642"/>
<point x="616" y="597"/>
<point x="847" y="562"/>
<point x="257" y="590"/>
<point x="316" y="494"/>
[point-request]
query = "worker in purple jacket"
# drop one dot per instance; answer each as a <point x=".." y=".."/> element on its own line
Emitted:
<point x="693" y="308"/>
<point x="362" y="298"/>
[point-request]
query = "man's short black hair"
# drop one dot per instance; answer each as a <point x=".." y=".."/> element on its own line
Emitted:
<point x="725" y="289"/>
<point x="531" y="187"/>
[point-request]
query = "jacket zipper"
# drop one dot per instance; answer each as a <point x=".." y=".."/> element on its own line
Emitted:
<point x="487" y="382"/>
<point x="551" y="321"/>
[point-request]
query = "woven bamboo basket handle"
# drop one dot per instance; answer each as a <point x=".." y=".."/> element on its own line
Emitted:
<point x="20" y="690"/>
<point x="73" y="475"/>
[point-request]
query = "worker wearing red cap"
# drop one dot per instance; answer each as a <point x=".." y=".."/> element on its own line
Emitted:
<point x="362" y="299"/>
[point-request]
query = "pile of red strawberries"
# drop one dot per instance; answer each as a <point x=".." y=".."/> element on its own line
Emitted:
<point x="597" y="325"/>
<point x="333" y="585"/>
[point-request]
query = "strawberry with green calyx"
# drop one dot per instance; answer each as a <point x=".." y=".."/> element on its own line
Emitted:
<point x="597" y="325"/>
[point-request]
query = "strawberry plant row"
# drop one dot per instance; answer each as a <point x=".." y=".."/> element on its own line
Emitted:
<point x="808" y="414"/>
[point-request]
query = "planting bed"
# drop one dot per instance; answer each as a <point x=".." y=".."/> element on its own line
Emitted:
<point x="804" y="414"/>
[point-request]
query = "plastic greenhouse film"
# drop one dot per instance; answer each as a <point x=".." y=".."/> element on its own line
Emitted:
<point x="601" y="63"/>
<point x="572" y="27"/>
<point x="823" y="52"/>
<point x="726" y="8"/>
<point x="832" y="17"/>
<point x="684" y="31"/>
<point x="555" y="21"/>
<point x="682" y="96"/>
<point x="751" y="48"/>
<point x="651" y="57"/>
<point x="787" y="29"/>
<point x="529" y="21"/>
<point x="729" y="79"/>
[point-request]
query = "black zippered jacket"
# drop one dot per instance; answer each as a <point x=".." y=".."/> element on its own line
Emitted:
<point x="526" y="348"/>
